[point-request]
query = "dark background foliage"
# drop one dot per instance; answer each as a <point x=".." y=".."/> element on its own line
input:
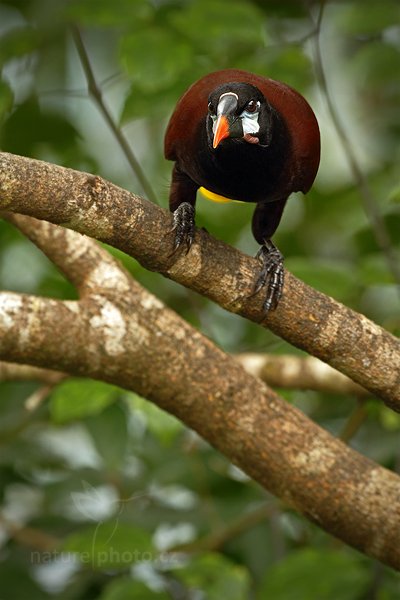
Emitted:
<point x="98" y="483"/>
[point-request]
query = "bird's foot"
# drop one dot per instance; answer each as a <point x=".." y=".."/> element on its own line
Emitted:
<point x="184" y="226"/>
<point x="271" y="276"/>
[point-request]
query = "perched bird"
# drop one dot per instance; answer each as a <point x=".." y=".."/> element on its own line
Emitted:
<point x="244" y="137"/>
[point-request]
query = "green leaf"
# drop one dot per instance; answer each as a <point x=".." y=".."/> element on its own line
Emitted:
<point x="217" y="577"/>
<point x="390" y="420"/>
<point x="355" y="19"/>
<point x="148" y="104"/>
<point x="111" y="544"/>
<point x="289" y="64"/>
<point x="30" y="128"/>
<point x="6" y="99"/>
<point x="328" y="277"/>
<point x="78" y="398"/>
<point x="110" y="14"/>
<point x="378" y="63"/>
<point x="154" y="58"/>
<point x="381" y="303"/>
<point x="373" y="269"/>
<point x="19" y="42"/>
<point x="217" y="27"/>
<point x="109" y="432"/>
<point x="366" y="240"/>
<point x="18" y="581"/>
<point x="161" y="424"/>
<point x="394" y="195"/>
<point x="312" y="574"/>
<point x="124" y="588"/>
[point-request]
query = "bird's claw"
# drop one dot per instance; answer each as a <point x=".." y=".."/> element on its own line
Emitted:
<point x="271" y="275"/>
<point x="184" y="226"/>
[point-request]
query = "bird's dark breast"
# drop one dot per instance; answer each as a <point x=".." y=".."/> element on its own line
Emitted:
<point x="242" y="171"/>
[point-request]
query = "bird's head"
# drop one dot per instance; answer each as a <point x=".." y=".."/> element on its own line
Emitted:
<point x="238" y="111"/>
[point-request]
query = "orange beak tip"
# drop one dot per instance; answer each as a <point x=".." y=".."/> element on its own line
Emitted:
<point x="221" y="130"/>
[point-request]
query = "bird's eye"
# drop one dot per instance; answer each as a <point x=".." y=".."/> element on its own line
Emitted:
<point x="252" y="106"/>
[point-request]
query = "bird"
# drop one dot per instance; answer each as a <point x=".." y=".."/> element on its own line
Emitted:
<point x="240" y="136"/>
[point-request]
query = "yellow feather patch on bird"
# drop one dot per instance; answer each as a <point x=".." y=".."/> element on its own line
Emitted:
<point x="215" y="197"/>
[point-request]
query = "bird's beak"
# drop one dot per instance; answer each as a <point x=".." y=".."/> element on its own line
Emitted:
<point x="221" y="130"/>
<point x="226" y="109"/>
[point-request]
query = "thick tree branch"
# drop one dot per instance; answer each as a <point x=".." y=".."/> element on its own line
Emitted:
<point x="306" y="318"/>
<point x="129" y="338"/>
<point x="90" y="268"/>
<point x="282" y="371"/>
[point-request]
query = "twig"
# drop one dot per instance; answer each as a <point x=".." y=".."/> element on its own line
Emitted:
<point x="96" y="93"/>
<point x="354" y="422"/>
<point x="30" y="536"/>
<point x="33" y="401"/>
<point x="369" y="202"/>
<point x="216" y="539"/>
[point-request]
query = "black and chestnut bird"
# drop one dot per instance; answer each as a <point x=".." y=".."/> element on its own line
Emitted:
<point x="243" y="137"/>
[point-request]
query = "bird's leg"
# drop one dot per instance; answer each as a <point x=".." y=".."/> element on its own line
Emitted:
<point x="182" y="200"/>
<point x="183" y="225"/>
<point x="271" y="276"/>
<point x="265" y="222"/>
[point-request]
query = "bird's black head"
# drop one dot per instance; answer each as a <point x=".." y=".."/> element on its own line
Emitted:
<point x="239" y="112"/>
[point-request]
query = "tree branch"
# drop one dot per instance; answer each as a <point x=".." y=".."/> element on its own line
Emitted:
<point x="355" y="420"/>
<point x="128" y="337"/>
<point x="86" y="265"/>
<point x="217" y="539"/>
<point x="89" y="268"/>
<point x="29" y="536"/>
<point x="17" y="372"/>
<point x="298" y="372"/>
<point x="323" y="327"/>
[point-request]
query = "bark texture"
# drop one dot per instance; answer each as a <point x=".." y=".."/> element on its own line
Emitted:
<point x="308" y="319"/>
<point x="120" y="333"/>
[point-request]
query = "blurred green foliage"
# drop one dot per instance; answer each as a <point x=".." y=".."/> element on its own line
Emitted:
<point x="102" y="483"/>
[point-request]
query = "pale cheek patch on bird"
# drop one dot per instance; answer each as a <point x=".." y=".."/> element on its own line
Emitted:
<point x="250" y="126"/>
